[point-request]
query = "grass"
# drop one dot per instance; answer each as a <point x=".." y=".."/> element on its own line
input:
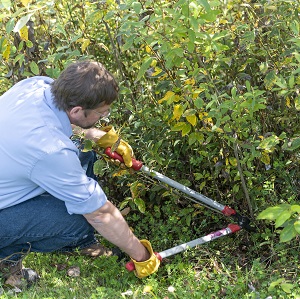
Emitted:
<point x="214" y="270"/>
<point x="240" y="265"/>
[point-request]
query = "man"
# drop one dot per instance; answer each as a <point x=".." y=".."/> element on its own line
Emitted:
<point x="47" y="201"/>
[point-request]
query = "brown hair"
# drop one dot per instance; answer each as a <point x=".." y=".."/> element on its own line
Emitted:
<point x="87" y="84"/>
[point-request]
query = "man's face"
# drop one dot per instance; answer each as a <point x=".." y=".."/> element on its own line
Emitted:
<point x="87" y="118"/>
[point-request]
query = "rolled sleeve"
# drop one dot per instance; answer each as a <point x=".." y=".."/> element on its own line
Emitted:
<point x="60" y="174"/>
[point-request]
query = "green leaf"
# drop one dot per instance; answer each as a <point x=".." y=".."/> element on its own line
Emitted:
<point x="297" y="103"/>
<point x="10" y="25"/>
<point x="220" y="35"/>
<point x="194" y="137"/>
<point x="140" y="204"/>
<point x="99" y="167"/>
<point x="291" y="82"/>
<point x="295" y="144"/>
<point x="210" y="16"/>
<point x="287" y="287"/>
<point x="29" y="44"/>
<point x="275" y="284"/>
<point x="178" y="126"/>
<point x="270" y="79"/>
<point x="295" y="208"/>
<point x="137" y="7"/>
<point x="188" y="220"/>
<point x="124" y="203"/>
<point x="6" y="3"/>
<point x="186" y="129"/>
<point x="273" y="213"/>
<point x="189" y="112"/>
<point x="88" y="145"/>
<point x="297" y="226"/>
<point x="295" y="27"/>
<point x="283" y="217"/>
<point x="288" y="233"/>
<point x="205" y="4"/>
<point x="199" y="103"/>
<point x="281" y="83"/>
<point x="269" y="143"/>
<point x="34" y="68"/>
<point x="145" y="65"/>
<point x="22" y="22"/>
<point x="191" y="35"/>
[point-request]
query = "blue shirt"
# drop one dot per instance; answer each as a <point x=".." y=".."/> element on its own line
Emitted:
<point x="36" y="153"/>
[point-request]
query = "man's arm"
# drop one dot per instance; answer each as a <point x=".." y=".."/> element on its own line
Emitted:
<point x="109" y="222"/>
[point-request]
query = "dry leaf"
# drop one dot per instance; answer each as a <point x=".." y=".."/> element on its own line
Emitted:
<point x="73" y="271"/>
<point x="125" y="211"/>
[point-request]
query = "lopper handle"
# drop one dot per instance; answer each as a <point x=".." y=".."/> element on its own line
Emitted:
<point x="131" y="267"/>
<point x="136" y="165"/>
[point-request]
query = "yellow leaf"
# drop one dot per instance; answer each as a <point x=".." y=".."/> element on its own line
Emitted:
<point x="120" y="172"/>
<point x="288" y="102"/>
<point x="190" y="81"/>
<point x="196" y="93"/>
<point x="85" y="44"/>
<point x="202" y="115"/>
<point x="232" y="161"/>
<point x="25" y="2"/>
<point x="6" y="52"/>
<point x="297" y="103"/>
<point x="167" y="96"/>
<point x="170" y="95"/>
<point x="265" y="158"/>
<point x="101" y="45"/>
<point x="148" y="49"/>
<point x="208" y="120"/>
<point x="192" y="119"/>
<point x="186" y="129"/>
<point x="177" y="112"/>
<point x="147" y="289"/>
<point x="157" y="71"/>
<point x="153" y="63"/>
<point x="24" y="33"/>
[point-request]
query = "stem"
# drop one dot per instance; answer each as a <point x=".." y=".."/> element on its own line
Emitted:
<point x="243" y="181"/>
<point x="115" y="50"/>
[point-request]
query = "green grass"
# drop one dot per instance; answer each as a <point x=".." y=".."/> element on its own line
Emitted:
<point x="241" y="265"/>
<point x="215" y="270"/>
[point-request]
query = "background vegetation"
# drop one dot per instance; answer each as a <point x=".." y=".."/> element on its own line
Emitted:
<point x="209" y="97"/>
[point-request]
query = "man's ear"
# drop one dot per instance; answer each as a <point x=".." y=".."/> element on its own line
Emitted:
<point x="76" y="112"/>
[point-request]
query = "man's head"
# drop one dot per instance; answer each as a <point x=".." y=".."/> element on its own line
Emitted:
<point x="85" y="90"/>
<point x="87" y="84"/>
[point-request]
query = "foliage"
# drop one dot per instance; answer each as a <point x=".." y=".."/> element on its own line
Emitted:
<point x="286" y="216"/>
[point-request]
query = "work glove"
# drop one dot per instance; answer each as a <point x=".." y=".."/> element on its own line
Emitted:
<point x="111" y="139"/>
<point x="145" y="268"/>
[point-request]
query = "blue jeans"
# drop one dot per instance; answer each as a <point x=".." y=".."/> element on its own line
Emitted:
<point x="42" y="224"/>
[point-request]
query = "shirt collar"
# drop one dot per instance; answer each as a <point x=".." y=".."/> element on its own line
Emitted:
<point x="61" y="115"/>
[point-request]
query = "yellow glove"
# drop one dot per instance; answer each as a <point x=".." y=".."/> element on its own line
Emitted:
<point x="145" y="268"/>
<point x="110" y="139"/>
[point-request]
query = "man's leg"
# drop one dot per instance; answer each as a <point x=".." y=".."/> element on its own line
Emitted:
<point x="41" y="224"/>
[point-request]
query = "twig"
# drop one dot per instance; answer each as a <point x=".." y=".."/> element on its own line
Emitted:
<point x="243" y="181"/>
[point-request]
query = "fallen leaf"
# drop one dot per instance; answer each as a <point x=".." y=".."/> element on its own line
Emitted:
<point x="125" y="211"/>
<point x="73" y="271"/>
<point x="59" y="267"/>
